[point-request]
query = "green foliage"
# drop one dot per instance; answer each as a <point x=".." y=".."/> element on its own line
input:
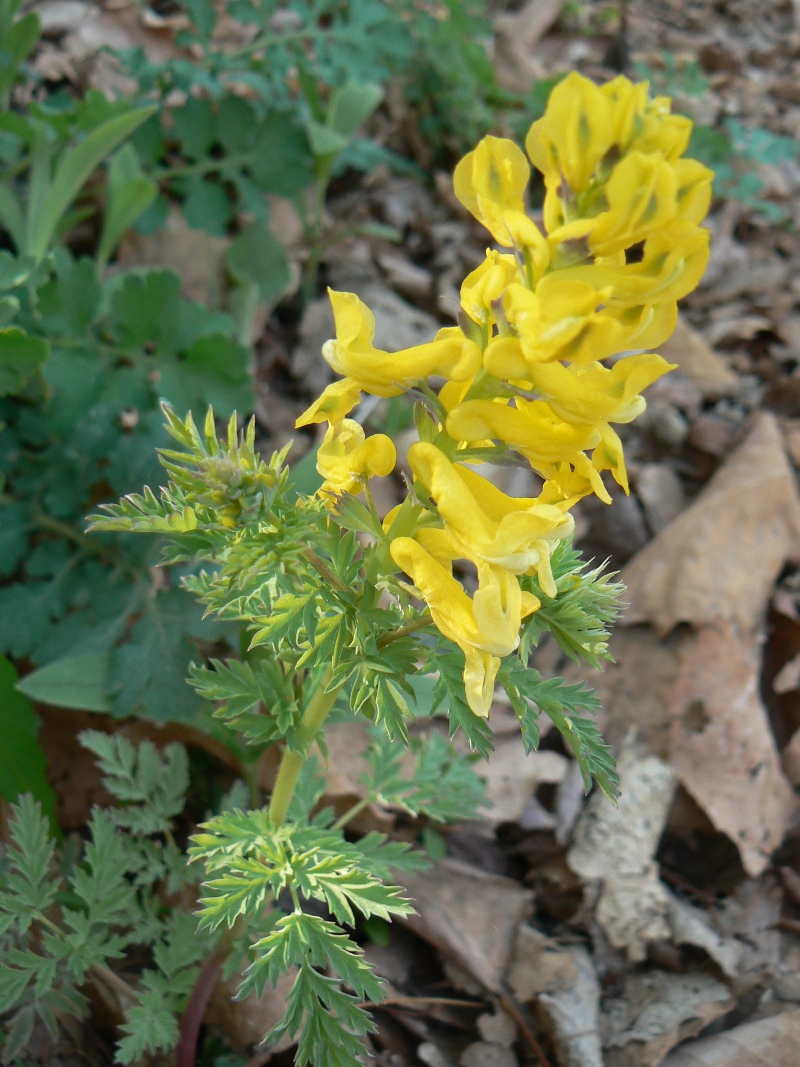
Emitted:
<point x="87" y="428"/>
<point x="62" y="921"/>
<point x="22" y="762"/>
<point x="735" y="152"/>
<point x="440" y="784"/>
<point x="580" y="616"/>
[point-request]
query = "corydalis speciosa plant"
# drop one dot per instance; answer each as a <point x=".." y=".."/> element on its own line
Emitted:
<point x="329" y="594"/>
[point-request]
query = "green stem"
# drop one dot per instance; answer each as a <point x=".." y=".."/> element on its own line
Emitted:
<point x="352" y="812"/>
<point x="419" y="623"/>
<point x="292" y="761"/>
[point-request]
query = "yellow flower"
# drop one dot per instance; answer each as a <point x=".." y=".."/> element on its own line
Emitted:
<point x="490" y="182"/>
<point x="486" y="525"/>
<point x="552" y="447"/>
<point x="660" y="131"/>
<point x="646" y="193"/>
<point x="451" y="354"/>
<point x="346" y="456"/>
<point x="333" y="404"/>
<point x="573" y="136"/>
<point x="559" y="321"/>
<point x="486" y="285"/>
<point x="484" y="628"/>
<point x="672" y="264"/>
<point x="595" y="394"/>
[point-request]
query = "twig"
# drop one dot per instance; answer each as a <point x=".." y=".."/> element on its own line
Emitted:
<point x="679" y="883"/>
<point x="194" y="1013"/>
<point x="511" y="1009"/>
<point x="410" y="1002"/>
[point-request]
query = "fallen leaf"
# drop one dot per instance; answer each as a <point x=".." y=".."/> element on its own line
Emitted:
<point x="194" y="254"/>
<point x="790" y="759"/>
<point x="719" y="560"/>
<point x="722" y="748"/>
<point x="539" y="965"/>
<point x="774" y="1042"/>
<point x="697" y="359"/>
<point x="572" y="1015"/>
<point x="615" y="846"/>
<point x="246" y="1022"/>
<point x="516" y="36"/>
<point x="659" y="1010"/>
<point x="469" y="915"/>
<point x="691" y="926"/>
<point x="512" y="777"/>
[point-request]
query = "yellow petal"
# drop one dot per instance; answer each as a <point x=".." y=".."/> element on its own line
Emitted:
<point x="490" y="182"/>
<point x="451" y="354"/>
<point x="346" y="456"/>
<point x="333" y="404"/>
<point x="642" y="198"/>
<point x="486" y="284"/>
<point x="574" y="134"/>
<point x="596" y="394"/>
<point x="454" y="615"/>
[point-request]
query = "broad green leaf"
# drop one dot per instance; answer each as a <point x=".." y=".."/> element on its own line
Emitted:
<point x="21" y="357"/>
<point x="75" y="682"/>
<point x="72" y="170"/>
<point x="304" y="478"/>
<point x="351" y="104"/>
<point x="14" y="529"/>
<point x="282" y="160"/>
<point x="207" y="206"/>
<point x="23" y="35"/>
<point x="22" y="762"/>
<point x="325" y="141"/>
<point x="130" y="194"/>
<point x="148" y="672"/>
<point x="257" y="256"/>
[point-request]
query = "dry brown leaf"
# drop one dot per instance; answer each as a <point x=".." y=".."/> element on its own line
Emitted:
<point x="790" y="759"/>
<point x="719" y="560"/>
<point x="346" y="743"/>
<point x="773" y="1042"/>
<point x="691" y="926"/>
<point x="512" y="777"/>
<point x="245" y="1022"/>
<point x="516" y="36"/>
<point x="698" y="360"/>
<point x="657" y="1011"/>
<point x="470" y="915"/>
<point x="195" y="255"/>
<point x="722" y="748"/>
<point x="572" y="1015"/>
<point x="616" y="847"/>
<point x="563" y="985"/>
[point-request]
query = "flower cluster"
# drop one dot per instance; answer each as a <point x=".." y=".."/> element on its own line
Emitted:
<point x="524" y="372"/>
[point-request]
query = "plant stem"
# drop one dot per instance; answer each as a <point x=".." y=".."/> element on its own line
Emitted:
<point x="419" y="623"/>
<point x="194" y="1013"/>
<point x="292" y="760"/>
<point x="352" y="812"/>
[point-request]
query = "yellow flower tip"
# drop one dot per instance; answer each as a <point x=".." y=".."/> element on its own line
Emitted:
<point x="484" y="628"/>
<point x="451" y="354"/>
<point x="336" y="401"/>
<point x="574" y="134"/>
<point x="346" y="456"/>
<point x="490" y="182"/>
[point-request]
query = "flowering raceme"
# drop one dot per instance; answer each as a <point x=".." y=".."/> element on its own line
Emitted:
<point x="523" y="373"/>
